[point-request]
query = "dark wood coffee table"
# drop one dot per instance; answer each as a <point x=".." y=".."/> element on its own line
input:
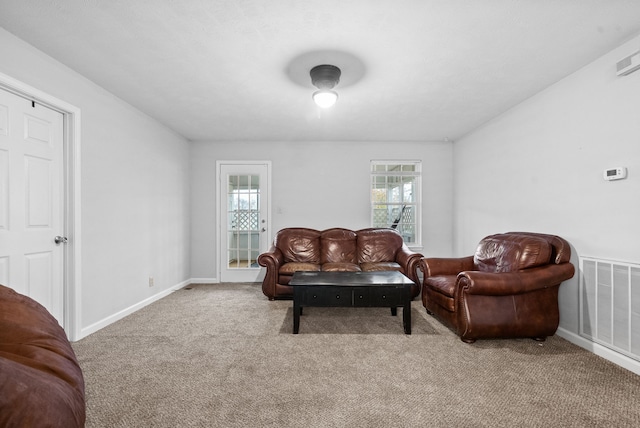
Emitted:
<point x="360" y="289"/>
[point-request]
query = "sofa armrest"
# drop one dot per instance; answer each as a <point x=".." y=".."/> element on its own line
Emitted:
<point x="445" y="266"/>
<point x="410" y="262"/>
<point x="511" y="283"/>
<point x="272" y="260"/>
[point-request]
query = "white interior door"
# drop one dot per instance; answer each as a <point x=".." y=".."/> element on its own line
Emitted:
<point x="244" y="226"/>
<point x="31" y="201"/>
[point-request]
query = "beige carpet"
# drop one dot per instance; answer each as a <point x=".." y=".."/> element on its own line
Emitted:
<point x="224" y="356"/>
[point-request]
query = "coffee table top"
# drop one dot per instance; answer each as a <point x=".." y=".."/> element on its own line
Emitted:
<point x="349" y="278"/>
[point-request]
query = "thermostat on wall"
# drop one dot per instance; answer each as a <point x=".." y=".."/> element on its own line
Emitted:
<point x="615" y="173"/>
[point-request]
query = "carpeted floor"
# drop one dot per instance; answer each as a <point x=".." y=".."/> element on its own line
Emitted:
<point x="223" y="356"/>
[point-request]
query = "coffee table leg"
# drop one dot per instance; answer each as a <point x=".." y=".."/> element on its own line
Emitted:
<point x="406" y="314"/>
<point x="394" y="311"/>
<point x="296" y="316"/>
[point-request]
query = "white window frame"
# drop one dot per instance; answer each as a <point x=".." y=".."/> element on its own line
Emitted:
<point x="416" y="204"/>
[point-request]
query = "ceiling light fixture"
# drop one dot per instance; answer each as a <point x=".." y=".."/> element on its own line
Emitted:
<point x="325" y="77"/>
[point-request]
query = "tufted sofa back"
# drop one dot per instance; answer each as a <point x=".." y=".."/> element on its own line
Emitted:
<point x="338" y="246"/>
<point x="299" y="244"/>
<point x="378" y="245"/>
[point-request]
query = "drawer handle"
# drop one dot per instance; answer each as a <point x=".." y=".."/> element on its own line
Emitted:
<point x="338" y="296"/>
<point x="384" y="297"/>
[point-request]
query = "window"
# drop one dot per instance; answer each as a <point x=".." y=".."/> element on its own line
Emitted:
<point x="395" y="197"/>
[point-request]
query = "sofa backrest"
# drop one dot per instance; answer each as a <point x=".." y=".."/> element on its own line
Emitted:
<point x="509" y="252"/>
<point x="299" y="244"/>
<point x="378" y="245"/>
<point x="338" y="246"/>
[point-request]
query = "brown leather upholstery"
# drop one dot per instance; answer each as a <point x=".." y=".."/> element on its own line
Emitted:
<point x="336" y="250"/>
<point x="508" y="288"/>
<point x="339" y="246"/>
<point x="41" y="384"/>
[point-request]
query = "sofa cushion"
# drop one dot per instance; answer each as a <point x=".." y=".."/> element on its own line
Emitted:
<point x="378" y="245"/>
<point x="511" y="253"/>
<point x="299" y="245"/>
<point x="380" y="266"/>
<point x="340" y="267"/>
<point x="292" y="267"/>
<point x="338" y="246"/>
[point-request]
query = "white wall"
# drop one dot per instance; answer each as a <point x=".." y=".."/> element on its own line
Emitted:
<point x="539" y="166"/>
<point x="318" y="185"/>
<point x="135" y="194"/>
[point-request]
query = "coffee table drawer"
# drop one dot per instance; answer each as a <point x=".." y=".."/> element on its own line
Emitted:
<point x="327" y="296"/>
<point x="379" y="296"/>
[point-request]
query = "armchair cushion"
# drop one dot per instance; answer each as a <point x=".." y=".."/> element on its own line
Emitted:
<point x="444" y="287"/>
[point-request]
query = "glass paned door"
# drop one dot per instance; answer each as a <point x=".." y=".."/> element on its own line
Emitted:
<point x="243" y="217"/>
<point x="243" y="221"/>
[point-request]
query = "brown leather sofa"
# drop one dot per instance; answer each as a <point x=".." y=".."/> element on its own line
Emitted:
<point x="337" y="249"/>
<point x="508" y="288"/>
<point x="41" y="384"/>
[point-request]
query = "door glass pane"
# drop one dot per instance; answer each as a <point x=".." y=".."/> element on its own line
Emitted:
<point x="243" y="211"/>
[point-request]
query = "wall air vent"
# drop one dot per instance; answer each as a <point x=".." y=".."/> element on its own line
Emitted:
<point x="610" y="304"/>
<point x="628" y="65"/>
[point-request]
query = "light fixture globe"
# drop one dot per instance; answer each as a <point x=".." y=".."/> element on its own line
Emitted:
<point x="325" y="98"/>
<point x="325" y="77"/>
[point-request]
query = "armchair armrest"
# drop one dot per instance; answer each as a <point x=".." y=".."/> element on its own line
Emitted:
<point x="511" y="283"/>
<point x="445" y="266"/>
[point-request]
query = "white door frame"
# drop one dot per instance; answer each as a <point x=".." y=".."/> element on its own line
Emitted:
<point x="219" y="225"/>
<point x="71" y="165"/>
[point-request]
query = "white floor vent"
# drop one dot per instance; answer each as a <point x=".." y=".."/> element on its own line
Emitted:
<point x="610" y="304"/>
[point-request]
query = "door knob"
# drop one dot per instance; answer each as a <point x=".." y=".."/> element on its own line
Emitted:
<point x="60" y="240"/>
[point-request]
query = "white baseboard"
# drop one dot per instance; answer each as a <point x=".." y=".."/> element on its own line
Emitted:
<point x="602" y="351"/>
<point x="84" y="332"/>
<point x="204" y="281"/>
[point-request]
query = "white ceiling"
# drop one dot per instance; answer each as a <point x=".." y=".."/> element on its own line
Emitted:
<point x="413" y="70"/>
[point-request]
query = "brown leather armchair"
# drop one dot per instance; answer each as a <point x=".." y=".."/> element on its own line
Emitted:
<point x="508" y="288"/>
<point x="303" y="249"/>
<point x="41" y="383"/>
